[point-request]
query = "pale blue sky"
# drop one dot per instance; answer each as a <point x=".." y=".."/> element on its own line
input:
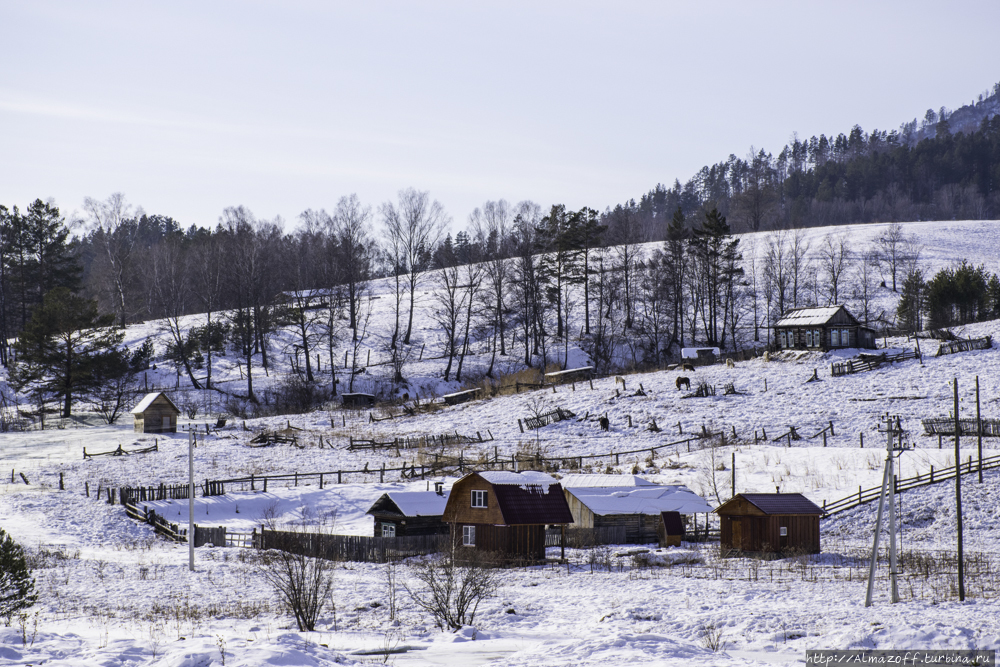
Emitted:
<point x="189" y="107"/>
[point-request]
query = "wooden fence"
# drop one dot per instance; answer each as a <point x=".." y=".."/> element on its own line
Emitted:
<point x="933" y="477"/>
<point x="359" y="548"/>
<point x="578" y="538"/>
<point x="946" y="426"/>
<point x="965" y="345"/>
<point x="539" y="421"/>
<point x="869" y="362"/>
<point x="443" y="440"/>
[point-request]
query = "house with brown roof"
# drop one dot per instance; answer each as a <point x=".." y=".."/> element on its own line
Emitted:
<point x="823" y="329"/>
<point x="769" y="523"/>
<point x="506" y="512"/>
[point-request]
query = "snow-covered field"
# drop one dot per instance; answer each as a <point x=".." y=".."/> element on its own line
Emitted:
<point x="112" y="593"/>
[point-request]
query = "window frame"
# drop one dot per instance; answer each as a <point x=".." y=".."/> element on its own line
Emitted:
<point x="478" y="494"/>
<point x="468" y="536"/>
<point x="834" y="337"/>
<point x="388" y="530"/>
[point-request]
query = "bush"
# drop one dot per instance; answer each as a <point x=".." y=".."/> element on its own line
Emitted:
<point x="452" y="586"/>
<point x="17" y="586"/>
<point x="304" y="584"/>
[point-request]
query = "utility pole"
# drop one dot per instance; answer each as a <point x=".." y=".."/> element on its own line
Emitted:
<point x="958" y="502"/>
<point x="894" y="447"/>
<point x="191" y="500"/>
<point x="979" y="432"/>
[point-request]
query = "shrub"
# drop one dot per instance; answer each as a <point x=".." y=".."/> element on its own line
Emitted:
<point x="452" y="586"/>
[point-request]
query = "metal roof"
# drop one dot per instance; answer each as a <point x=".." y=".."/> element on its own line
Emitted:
<point x="780" y="503"/>
<point x="807" y="317"/>
<point x="532" y="504"/>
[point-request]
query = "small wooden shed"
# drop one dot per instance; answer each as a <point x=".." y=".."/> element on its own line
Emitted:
<point x="506" y="512"/>
<point x="829" y="328"/>
<point x="769" y="523"/>
<point x="670" y="529"/>
<point x="155" y="413"/>
<point x="406" y="513"/>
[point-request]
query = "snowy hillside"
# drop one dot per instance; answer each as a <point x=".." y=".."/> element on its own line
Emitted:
<point x="111" y="592"/>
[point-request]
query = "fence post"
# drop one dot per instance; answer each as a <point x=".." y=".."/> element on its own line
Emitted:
<point x="338" y="476"/>
<point x="520" y="425"/>
<point x="862" y="435"/>
<point x="381" y="475"/>
<point x="832" y="434"/>
<point x="321" y="481"/>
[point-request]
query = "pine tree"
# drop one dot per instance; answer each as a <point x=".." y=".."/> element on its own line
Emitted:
<point x="17" y="586"/>
<point x="59" y="348"/>
<point x="911" y="302"/>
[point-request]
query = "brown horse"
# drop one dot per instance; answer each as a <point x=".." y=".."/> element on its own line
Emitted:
<point x="688" y="367"/>
<point x="683" y="382"/>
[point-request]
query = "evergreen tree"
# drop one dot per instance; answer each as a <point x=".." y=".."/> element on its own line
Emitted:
<point x="59" y="349"/>
<point x="911" y="302"/>
<point x="17" y="586"/>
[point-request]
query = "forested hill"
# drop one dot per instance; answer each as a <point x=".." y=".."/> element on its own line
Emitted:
<point x="946" y="167"/>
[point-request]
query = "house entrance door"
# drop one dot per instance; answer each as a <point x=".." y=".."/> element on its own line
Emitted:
<point x="737" y="534"/>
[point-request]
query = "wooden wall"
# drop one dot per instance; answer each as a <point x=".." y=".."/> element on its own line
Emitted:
<point x="407" y="526"/>
<point x="763" y="533"/>
<point x="514" y="542"/>
<point x="151" y="420"/>
<point x="460" y="510"/>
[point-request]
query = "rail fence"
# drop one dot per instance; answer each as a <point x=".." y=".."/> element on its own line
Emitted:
<point x="965" y="345"/>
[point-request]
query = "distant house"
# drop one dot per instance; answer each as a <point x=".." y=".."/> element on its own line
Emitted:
<point x="825" y="329"/>
<point x="627" y="501"/>
<point x="406" y="513"/>
<point x="156" y="413"/>
<point x="506" y="512"/>
<point x="769" y="523"/>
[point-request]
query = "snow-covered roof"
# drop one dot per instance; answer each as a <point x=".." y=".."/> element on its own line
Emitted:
<point x="807" y="317"/>
<point x="147" y="400"/>
<point x="528" y="477"/>
<point x="419" y="503"/>
<point x="598" y="481"/>
<point x="692" y="352"/>
<point x="640" y="500"/>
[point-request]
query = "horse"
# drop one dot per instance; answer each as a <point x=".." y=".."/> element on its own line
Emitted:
<point x="688" y="367"/>
<point x="683" y="382"/>
<point x="605" y="424"/>
<point x="730" y="363"/>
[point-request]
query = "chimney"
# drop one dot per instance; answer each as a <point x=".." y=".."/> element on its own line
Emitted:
<point x="439" y="488"/>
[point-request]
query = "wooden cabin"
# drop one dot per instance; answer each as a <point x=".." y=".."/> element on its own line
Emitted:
<point x="506" y="512"/>
<point x="358" y="400"/>
<point x="406" y="513"/>
<point x="628" y="501"/>
<point x="156" y="413"/>
<point x="822" y="329"/>
<point x="769" y="524"/>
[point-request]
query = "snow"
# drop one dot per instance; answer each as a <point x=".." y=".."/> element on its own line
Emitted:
<point x="642" y="500"/>
<point x="597" y="481"/>
<point x="419" y="503"/>
<point x="807" y="317"/>
<point x="146" y="401"/>
<point x="525" y="478"/>
<point x="112" y="593"/>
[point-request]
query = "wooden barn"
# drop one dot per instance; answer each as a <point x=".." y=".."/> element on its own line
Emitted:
<point x="604" y="501"/>
<point x="506" y="512"/>
<point x="406" y="513"/>
<point x="156" y="413"/>
<point x="769" y="523"/>
<point x="825" y="329"/>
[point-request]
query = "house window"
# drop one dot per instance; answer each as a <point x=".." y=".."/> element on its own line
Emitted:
<point x="479" y="499"/>
<point x="845" y="337"/>
<point x="388" y="530"/>
<point x="468" y="536"/>
<point x="809" y="339"/>
<point x="834" y="338"/>
<point x="783" y="531"/>
<point x="781" y="339"/>
<point x="817" y="339"/>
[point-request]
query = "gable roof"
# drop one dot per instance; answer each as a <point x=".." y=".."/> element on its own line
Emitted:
<point x="809" y="317"/>
<point x="778" y="503"/>
<point x="603" y="481"/>
<point x="650" y="500"/>
<point x="148" y="399"/>
<point x="410" y="503"/>
<point x="527" y="498"/>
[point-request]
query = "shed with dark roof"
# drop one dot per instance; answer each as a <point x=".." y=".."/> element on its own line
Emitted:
<point x="769" y="523"/>
<point x="506" y="512"/>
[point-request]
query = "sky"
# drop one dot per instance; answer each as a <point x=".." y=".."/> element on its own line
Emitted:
<point x="190" y="107"/>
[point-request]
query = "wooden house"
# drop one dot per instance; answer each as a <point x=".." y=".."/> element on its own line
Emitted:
<point x="605" y="501"/>
<point x="506" y="512"/>
<point x="406" y="513"/>
<point x="358" y="400"/>
<point x="156" y="413"/>
<point x="824" y="329"/>
<point x="769" y="523"/>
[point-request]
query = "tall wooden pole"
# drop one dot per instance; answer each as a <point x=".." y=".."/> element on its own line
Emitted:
<point x="979" y="432"/>
<point x="958" y="503"/>
<point x="191" y="500"/>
